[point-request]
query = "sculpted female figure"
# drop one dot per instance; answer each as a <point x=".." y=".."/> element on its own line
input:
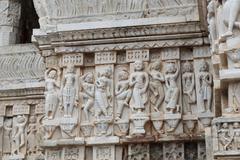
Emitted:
<point x="173" y="91"/>
<point x="205" y="90"/>
<point x="31" y="137"/>
<point x="88" y="89"/>
<point x="123" y="92"/>
<point x="155" y="85"/>
<point x="188" y="83"/>
<point x="52" y="92"/>
<point x="69" y="91"/>
<point x="103" y="95"/>
<point x="18" y="135"/>
<point x="139" y="82"/>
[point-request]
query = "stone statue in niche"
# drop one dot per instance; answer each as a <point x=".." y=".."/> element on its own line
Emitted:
<point x="123" y="93"/>
<point x="155" y="85"/>
<point x="139" y="81"/>
<point x="205" y="90"/>
<point x="232" y="9"/>
<point x="225" y="139"/>
<point x="88" y="90"/>
<point x="172" y="93"/>
<point x="188" y="83"/>
<point x="19" y="134"/>
<point x="31" y="136"/>
<point x="7" y="136"/>
<point x="236" y="138"/>
<point x="52" y="92"/>
<point x="69" y="91"/>
<point x="103" y="96"/>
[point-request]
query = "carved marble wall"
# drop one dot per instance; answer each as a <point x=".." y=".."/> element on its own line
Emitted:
<point x="223" y="21"/>
<point x="123" y="80"/>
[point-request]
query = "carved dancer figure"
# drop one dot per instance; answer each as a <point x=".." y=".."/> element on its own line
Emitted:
<point x="52" y="92"/>
<point x="236" y="139"/>
<point x="205" y="90"/>
<point x="88" y="89"/>
<point x="18" y="134"/>
<point x="69" y="91"/>
<point x="225" y="138"/>
<point x="188" y="83"/>
<point x="103" y="95"/>
<point x="7" y="136"/>
<point x="233" y="7"/>
<point x="173" y="91"/>
<point x="123" y="92"/>
<point x="31" y="136"/>
<point x="139" y="81"/>
<point x="155" y="85"/>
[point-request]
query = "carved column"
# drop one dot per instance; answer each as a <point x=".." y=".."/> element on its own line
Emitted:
<point x="10" y="12"/>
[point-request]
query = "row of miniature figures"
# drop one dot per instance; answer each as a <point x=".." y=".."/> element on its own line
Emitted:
<point x="21" y="136"/>
<point x="143" y="87"/>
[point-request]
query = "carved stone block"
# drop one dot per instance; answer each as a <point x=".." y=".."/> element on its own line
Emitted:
<point x="104" y="152"/>
<point x="136" y="55"/>
<point x="105" y="58"/>
<point x="72" y="59"/>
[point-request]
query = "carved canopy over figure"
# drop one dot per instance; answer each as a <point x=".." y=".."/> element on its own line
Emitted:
<point x="123" y="92"/>
<point x="88" y="89"/>
<point x="19" y="135"/>
<point x="69" y="91"/>
<point x="103" y="95"/>
<point x="188" y="83"/>
<point x="155" y="85"/>
<point x="52" y="92"/>
<point x="205" y="79"/>
<point x="173" y="91"/>
<point x="139" y="81"/>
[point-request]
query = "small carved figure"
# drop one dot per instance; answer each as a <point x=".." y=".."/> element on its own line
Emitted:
<point x="69" y="91"/>
<point x="155" y="85"/>
<point x="123" y="92"/>
<point x="236" y="139"/>
<point x="139" y="81"/>
<point x="52" y="92"/>
<point x="211" y="18"/>
<point x="88" y="89"/>
<point x="7" y="136"/>
<point x="103" y="96"/>
<point x="31" y="135"/>
<point x="233" y="7"/>
<point x="205" y="90"/>
<point x="173" y="91"/>
<point x="225" y="138"/>
<point x="188" y="83"/>
<point x="18" y="134"/>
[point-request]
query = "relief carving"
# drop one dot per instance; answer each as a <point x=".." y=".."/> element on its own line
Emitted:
<point x="172" y="92"/>
<point x="156" y="85"/>
<point x="188" y="83"/>
<point x="18" y="139"/>
<point x="205" y="91"/>
<point x="52" y="92"/>
<point x="103" y="96"/>
<point x="69" y="91"/>
<point x="88" y="90"/>
<point x="123" y="93"/>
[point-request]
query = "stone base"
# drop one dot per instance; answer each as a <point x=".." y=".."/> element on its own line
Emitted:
<point x="102" y="140"/>
<point x="63" y="142"/>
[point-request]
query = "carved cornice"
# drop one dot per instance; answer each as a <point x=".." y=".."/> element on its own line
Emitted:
<point x="21" y="70"/>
